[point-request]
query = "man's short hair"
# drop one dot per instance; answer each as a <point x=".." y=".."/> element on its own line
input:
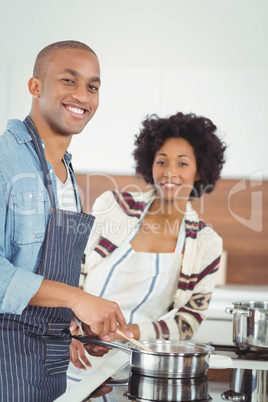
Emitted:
<point x="45" y="55"/>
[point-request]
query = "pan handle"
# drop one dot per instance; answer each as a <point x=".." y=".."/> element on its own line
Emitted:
<point x="117" y="383"/>
<point x="245" y="313"/>
<point x="93" y="341"/>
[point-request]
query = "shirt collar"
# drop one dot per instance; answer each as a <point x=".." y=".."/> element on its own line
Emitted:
<point x="17" y="127"/>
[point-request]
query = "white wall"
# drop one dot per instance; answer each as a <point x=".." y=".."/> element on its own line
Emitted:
<point x="209" y="57"/>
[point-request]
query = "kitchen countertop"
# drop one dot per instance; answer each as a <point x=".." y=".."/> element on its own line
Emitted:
<point x="102" y="368"/>
<point x="218" y="326"/>
<point x="224" y="296"/>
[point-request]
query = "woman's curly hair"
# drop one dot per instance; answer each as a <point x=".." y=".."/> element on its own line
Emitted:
<point x="198" y="131"/>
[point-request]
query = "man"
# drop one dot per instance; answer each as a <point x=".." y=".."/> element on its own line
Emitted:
<point x="42" y="234"/>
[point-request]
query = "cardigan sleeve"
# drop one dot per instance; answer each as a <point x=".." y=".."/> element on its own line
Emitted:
<point x="196" y="284"/>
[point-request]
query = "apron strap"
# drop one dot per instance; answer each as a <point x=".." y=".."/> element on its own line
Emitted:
<point x="38" y="146"/>
<point x="76" y="193"/>
<point x="181" y="238"/>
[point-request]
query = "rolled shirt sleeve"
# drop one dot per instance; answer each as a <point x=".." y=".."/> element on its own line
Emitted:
<point x="15" y="293"/>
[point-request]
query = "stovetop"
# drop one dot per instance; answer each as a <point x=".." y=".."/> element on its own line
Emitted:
<point x="243" y="359"/>
<point x="237" y="353"/>
<point x="245" y="380"/>
<point x="229" y="384"/>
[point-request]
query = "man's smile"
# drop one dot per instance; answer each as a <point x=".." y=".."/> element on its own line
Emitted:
<point x="77" y="111"/>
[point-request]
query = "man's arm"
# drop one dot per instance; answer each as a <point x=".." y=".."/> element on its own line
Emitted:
<point x="102" y="316"/>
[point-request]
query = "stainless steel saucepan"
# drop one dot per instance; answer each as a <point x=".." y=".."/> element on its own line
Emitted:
<point x="168" y="359"/>
<point x="250" y="324"/>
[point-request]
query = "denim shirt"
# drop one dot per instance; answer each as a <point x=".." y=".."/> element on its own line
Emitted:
<point x="24" y="214"/>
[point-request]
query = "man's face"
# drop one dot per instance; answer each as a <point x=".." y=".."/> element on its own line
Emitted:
<point x="69" y="95"/>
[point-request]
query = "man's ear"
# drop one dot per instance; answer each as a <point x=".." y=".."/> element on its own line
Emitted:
<point x="35" y="87"/>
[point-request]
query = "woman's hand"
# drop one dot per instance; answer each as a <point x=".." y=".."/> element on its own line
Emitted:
<point x="77" y="349"/>
<point x="77" y="352"/>
<point x="93" y="350"/>
<point x="102" y="390"/>
<point x="96" y="350"/>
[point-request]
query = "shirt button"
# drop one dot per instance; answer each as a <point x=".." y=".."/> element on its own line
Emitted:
<point x="30" y="196"/>
<point x="51" y="170"/>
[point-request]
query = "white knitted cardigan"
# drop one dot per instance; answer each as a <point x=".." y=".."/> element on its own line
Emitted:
<point x="116" y="214"/>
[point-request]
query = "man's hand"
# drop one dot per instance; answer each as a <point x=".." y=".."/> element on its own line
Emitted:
<point x="134" y="328"/>
<point x="100" y="315"/>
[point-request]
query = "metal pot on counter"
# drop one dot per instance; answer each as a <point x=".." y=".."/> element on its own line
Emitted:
<point x="250" y="324"/>
<point x="247" y="385"/>
<point x="168" y="359"/>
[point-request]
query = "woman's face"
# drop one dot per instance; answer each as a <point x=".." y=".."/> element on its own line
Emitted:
<point x="174" y="169"/>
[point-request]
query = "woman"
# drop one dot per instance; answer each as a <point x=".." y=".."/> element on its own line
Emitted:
<point x="150" y="252"/>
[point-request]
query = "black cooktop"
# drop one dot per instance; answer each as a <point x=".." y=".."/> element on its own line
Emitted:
<point x="230" y="384"/>
<point x="241" y="354"/>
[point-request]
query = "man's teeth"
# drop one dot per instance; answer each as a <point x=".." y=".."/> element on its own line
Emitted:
<point x="75" y="110"/>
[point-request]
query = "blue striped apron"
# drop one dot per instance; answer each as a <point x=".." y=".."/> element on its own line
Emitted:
<point x="34" y="348"/>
